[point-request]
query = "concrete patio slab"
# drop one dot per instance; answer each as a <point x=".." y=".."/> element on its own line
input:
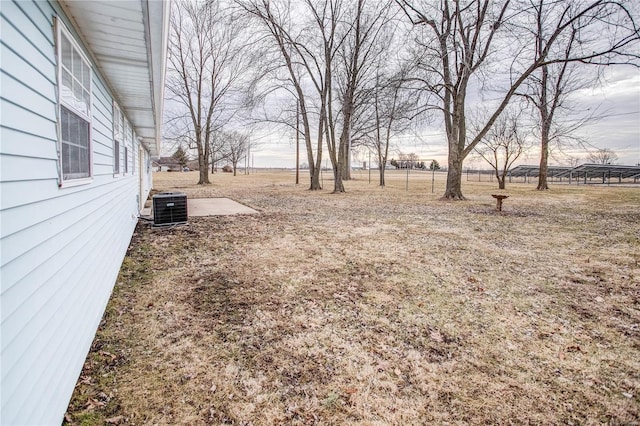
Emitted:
<point x="206" y="207"/>
<point x="216" y="207"/>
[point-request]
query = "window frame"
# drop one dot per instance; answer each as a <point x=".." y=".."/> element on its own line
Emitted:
<point x="117" y="124"/>
<point x="127" y="142"/>
<point x="134" y="149"/>
<point x="60" y="31"/>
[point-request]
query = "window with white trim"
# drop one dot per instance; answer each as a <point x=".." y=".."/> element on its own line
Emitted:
<point x="74" y="99"/>
<point x="127" y="145"/>
<point x="117" y="137"/>
<point x="134" y="149"/>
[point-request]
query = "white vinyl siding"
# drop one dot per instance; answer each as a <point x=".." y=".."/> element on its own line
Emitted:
<point x="53" y="286"/>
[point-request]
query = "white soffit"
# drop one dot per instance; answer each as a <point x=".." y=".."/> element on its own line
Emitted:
<point x="128" y="40"/>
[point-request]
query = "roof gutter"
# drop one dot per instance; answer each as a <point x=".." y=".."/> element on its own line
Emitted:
<point x="156" y="16"/>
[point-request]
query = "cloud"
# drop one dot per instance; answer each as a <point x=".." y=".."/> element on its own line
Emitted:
<point x="618" y="98"/>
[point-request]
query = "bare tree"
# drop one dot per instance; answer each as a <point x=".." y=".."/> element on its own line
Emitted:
<point x="207" y="66"/>
<point x="367" y="38"/>
<point x="573" y="161"/>
<point x="303" y="68"/>
<point x="235" y="146"/>
<point x="326" y="14"/>
<point x="503" y="144"/>
<point x="603" y="156"/>
<point x="391" y="110"/>
<point x="217" y="150"/>
<point x="327" y="54"/>
<point x="548" y="89"/>
<point x="458" y="39"/>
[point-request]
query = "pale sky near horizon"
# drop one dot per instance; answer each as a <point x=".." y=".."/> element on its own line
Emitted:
<point x="619" y="130"/>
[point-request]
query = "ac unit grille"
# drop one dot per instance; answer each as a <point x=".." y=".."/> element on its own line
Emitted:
<point x="169" y="208"/>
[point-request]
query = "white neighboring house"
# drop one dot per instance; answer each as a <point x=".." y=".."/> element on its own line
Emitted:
<point x="80" y="112"/>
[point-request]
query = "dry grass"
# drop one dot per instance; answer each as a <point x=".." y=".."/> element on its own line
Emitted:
<point x="375" y="307"/>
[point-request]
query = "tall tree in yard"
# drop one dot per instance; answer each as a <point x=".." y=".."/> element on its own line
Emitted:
<point x="367" y="39"/>
<point x="391" y="108"/>
<point x="327" y="47"/>
<point x="462" y="42"/>
<point x="208" y="76"/>
<point x="548" y="90"/>
<point x="296" y="68"/>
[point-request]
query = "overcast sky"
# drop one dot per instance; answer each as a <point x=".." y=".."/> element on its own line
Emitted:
<point x="618" y="100"/>
<point x="619" y="130"/>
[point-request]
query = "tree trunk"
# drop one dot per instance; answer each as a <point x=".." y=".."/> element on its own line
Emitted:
<point x="338" y="186"/>
<point x="314" y="167"/>
<point x="203" y="166"/>
<point x="502" y="177"/>
<point x="381" y="175"/>
<point x="204" y="175"/>
<point x="314" y="175"/>
<point x="345" y="159"/>
<point x="339" y="170"/>
<point x="454" y="176"/>
<point x="315" y="171"/>
<point x="544" y="158"/>
<point x="315" y="181"/>
<point x="453" y="190"/>
<point x="544" y="131"/>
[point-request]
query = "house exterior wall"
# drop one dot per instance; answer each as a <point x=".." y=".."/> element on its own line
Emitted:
<point x="61" y="247"/>
<point x="146" y="170"/>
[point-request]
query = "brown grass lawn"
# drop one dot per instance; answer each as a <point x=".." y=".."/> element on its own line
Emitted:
<point x="375" y="307"/>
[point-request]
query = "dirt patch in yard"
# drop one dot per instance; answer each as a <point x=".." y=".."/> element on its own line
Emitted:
<point x="375" y="307"/>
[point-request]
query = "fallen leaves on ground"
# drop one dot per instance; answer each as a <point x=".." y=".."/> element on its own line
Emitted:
<point x="375" y="307"/>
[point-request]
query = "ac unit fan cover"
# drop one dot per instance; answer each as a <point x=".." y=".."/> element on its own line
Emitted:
<point x="169" y="208"/>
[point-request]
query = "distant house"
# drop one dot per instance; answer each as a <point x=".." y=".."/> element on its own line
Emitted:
<point x="193" y="165"/>
<point x="81" y="101"/>
<point x="166" y="164"/>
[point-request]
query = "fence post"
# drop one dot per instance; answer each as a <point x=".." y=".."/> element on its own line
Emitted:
<point x="433" y="180"/>
<point x="407" y="185"/>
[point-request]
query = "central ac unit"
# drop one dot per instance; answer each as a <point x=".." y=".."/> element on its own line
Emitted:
<point x="169" y="208"/>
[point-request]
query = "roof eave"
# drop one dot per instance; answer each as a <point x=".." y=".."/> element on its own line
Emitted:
<point x="146" y="118"/>
<point x="156" y="27"/>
